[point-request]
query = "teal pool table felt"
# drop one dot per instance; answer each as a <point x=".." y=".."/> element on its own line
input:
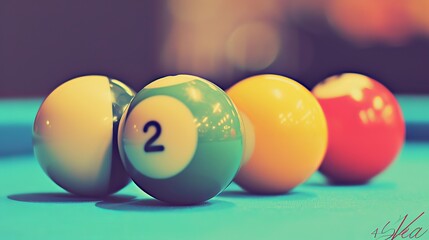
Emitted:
<point x="33" y="207"/>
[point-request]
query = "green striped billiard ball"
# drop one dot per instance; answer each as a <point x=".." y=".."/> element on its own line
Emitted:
<point x="180" y="140"/>
<point x="75" y="135"/>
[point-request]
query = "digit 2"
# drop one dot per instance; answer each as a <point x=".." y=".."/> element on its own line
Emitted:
<point x="149" y="146"/>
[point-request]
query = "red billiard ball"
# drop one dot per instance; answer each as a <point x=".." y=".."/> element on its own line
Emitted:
<point x="365" y="124"/>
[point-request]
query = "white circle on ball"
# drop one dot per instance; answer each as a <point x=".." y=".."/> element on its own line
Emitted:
<point x="160" y="137"/>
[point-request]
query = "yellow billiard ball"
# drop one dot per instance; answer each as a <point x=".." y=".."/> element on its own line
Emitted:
<point x="288" y="130"/>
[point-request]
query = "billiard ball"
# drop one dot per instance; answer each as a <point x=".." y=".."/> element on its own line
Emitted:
<point x="74" y="135"/>
<point x="180" y="140"/>
<point x="289" y="131"/>
<point x="366" y="127"/>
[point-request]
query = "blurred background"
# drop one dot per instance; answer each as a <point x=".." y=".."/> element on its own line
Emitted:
<point x="44" y="43"/>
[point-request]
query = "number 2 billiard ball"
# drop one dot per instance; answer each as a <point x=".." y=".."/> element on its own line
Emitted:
<point x="366" y="127"/>
<point x="74" y="134"/>
<point x="180" y="139"/>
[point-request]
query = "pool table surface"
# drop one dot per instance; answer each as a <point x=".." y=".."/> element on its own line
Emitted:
<point x="33" y="207"/>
